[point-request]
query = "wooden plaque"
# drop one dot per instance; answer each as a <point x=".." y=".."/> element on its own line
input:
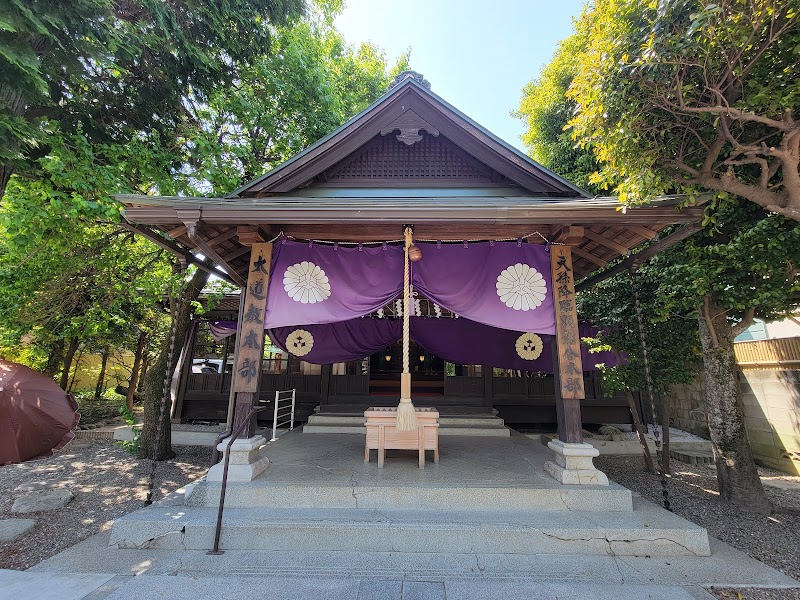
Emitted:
<point x="250" y="341"/>
<point x="568" y="340"/>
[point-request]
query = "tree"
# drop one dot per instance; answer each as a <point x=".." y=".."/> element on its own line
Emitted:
<point x="670" y="334"/>
<point x="546" y="111"/>
<point x="283" y="101"/>
<point x="117" y="68"/>
<point x="743" y="267"/>
<point x="692" y="95"/>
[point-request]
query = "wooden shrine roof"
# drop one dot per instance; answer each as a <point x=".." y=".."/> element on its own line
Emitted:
<point x="410" y="158"/>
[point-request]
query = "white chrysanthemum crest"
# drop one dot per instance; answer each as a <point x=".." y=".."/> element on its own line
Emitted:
<point x="521" y="287"/>
<point x="306" y="283"/>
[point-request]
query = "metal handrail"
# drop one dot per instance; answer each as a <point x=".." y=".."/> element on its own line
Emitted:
<point x="278" y="400"/>
<point x="245" y="422"/>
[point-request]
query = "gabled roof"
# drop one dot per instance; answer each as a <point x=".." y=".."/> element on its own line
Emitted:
<point x="411" y="108"/>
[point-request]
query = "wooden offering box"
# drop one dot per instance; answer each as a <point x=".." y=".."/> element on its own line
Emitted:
<point x="382" y="433"/>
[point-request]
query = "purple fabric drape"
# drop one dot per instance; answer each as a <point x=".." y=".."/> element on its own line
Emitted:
<point x="502" y="284"/>
<point x="466" y="342"/>
<point x="315" y="283"/>
<point x="344" y="341"/>
<point x="459" y="341"/>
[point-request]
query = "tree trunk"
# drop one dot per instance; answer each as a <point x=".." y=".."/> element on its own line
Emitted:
<point x="73" y="348"/>
<point x="143" y="374"/>
<point x="55" y="358"/>
<point x="137" y="363"/>
<point x="737" y="475"/>
<point x="641" y="430"/>
<point x="101" y="378"/>
<point x="156" y="408"/>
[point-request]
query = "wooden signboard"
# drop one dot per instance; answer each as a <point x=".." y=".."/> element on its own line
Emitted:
<point x="251" y="338"/>
<point x="570" y="369"/>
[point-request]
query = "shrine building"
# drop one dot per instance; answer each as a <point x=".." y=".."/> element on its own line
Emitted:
<point x="498" y="247"/>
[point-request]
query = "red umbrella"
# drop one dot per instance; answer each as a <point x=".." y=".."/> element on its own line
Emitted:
<point x="36" y="416"/>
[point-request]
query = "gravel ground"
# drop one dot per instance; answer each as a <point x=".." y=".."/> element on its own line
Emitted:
<point x="774" y="540"/>
<point x="107" y="481"/>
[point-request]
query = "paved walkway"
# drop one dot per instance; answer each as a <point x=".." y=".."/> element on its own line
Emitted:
<point x="91" y="570"/>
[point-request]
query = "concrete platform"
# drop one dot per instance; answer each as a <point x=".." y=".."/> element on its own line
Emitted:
<point x="491" y="473"/>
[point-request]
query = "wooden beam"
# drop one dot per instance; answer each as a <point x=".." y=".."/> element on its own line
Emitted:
<point x="635" y="260"/>
<point x="578" y="251"/>
<point x="222" y="237"/>
<point x="236" y="253"/>
<point x="249" y="235"/>
<point x="203" y="246"/>
<point x="177" y="232"/>
<point x="604" y="241"/>
<point x="569" y="235"/>
<point x="376" y="231"/>
<point x="642" y="231"/>
<point x="182" y="253"/>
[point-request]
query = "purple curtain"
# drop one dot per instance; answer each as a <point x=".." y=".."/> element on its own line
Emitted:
<point x="502" y="284"/>
<point x="316" y="283"/>
<point x="339" y="342"/>
<point x="459" y="341"/>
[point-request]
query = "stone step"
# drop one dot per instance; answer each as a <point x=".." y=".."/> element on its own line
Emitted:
<point x="646" y="531"/>
<point x="443" y="430"/>
<point x="448" y="425"/>
<point x="693" y="457"/>
<point x="444" y="421"/>
<point x="410" y="496"/>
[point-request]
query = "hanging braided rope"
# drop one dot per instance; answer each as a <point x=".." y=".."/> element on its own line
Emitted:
<point x="650" y="393"/>
<point x="406" y="415"/>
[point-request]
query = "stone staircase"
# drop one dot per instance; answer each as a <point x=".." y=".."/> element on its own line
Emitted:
<point x="471" y="425"/>
<point x="488" y="495"/>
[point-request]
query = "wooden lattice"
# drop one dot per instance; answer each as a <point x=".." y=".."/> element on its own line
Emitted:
<point x="430" y="158"/>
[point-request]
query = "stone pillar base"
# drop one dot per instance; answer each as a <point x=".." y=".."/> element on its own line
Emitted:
<point x="247" y="460"/>
<point x="573" y="464"/>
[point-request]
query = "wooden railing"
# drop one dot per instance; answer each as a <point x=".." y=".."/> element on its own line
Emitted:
<point x="768" y="354"/>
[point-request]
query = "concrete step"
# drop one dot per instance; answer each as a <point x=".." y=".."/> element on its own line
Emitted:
<point x="646" y="531"/>
<point x="410" y="496"/>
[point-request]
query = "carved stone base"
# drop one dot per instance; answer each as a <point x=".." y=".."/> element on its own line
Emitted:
<point x="247" y="460"/>
<point x="573" y="464"/>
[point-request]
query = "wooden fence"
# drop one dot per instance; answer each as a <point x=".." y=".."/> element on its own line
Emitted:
<point x="768" y="354"/>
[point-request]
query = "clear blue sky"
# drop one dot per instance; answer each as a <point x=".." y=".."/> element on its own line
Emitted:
<point x="477" y="55"/>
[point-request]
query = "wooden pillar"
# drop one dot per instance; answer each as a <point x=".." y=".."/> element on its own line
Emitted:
<point x="487" y="373"/>
<point x="186" y="372"/>
<point x="325" y="384"/>
<point x="567" y="367"/>
<point x="250" y="339"/>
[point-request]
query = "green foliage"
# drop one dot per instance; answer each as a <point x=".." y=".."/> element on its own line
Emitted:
<point x="110" y="406"/>
<point x="309" y="85"/>
<point x="546" y="111"/>
<point x="116" y="69"/>
<point x="685" y="95"/>
<point x="747" y="262"/>
<point x="671" y="332"/>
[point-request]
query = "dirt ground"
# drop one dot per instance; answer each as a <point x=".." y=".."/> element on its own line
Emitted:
<point x="108" y="482"/>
